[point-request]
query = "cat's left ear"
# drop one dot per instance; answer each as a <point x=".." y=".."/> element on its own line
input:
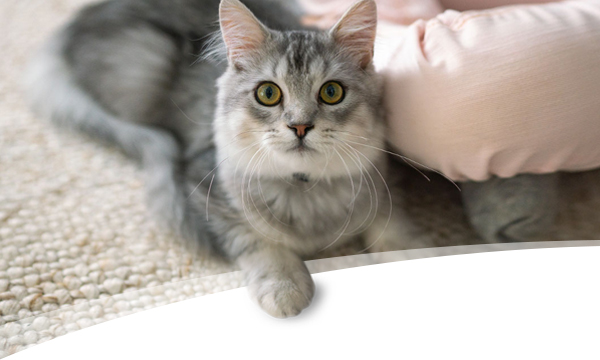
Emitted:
<point x="356" y="30"/>
<point x="242" y="32"/>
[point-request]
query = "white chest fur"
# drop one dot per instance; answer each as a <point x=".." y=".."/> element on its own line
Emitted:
<point x="307" y="214"/>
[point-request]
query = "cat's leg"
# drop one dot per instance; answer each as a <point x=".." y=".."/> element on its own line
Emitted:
<point x="278" y="279"/>
<point x="521" y="208"/>
<point x="400" y="233"/>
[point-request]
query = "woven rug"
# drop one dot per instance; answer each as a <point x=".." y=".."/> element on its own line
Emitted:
<point x="77" y="246"/>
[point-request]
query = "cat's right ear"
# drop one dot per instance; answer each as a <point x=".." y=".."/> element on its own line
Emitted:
<point x="242" y="32"/>
<point x="356" y="31"/>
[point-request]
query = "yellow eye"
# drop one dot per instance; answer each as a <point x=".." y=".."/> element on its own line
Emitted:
<point x="268" y="94"/>
<point x="332" y="93"/>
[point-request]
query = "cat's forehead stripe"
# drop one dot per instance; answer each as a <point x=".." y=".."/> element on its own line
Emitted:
<point x="302" y="51"/>
<point x="299" y="56"/>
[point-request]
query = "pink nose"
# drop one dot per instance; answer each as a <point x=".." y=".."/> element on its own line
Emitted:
<point x="301" y="130"/>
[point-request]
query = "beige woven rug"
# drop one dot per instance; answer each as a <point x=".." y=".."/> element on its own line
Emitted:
<point x="76" y="245"/>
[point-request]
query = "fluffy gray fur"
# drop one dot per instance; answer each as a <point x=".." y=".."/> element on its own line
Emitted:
<point x="226" y="172"/>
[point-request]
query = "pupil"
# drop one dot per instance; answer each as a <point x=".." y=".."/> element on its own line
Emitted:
<point x="269" y="92"/>
<point x="330" y="91"/>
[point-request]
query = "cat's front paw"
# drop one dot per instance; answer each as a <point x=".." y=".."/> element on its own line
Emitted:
<point x="283" y="296"/>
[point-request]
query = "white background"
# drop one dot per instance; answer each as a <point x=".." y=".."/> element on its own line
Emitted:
<point x="527" y="304"/>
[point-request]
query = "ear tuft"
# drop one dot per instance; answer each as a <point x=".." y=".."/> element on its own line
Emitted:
<point x="356" y="31"/>
<point x="242" y="32"/>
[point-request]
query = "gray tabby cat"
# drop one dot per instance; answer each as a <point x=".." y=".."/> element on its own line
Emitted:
<point x="291" y="163"/>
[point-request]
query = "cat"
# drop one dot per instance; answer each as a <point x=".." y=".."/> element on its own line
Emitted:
<point x="264" y="150"/>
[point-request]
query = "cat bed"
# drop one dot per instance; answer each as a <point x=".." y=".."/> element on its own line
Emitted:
<point x="499" y="92"/>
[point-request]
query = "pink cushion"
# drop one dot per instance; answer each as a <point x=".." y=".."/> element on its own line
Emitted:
<point x="499" y="92"/>
<point x="325" y="13"/>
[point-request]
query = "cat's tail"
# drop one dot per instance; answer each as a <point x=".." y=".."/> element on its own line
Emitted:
<point x="54" y="94"/>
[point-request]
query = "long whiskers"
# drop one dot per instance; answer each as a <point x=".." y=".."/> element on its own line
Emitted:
<point x="262" y="195"/>
<point x="241" y="157"/>
<point x="353" y="134"/>
<point x="258" y="164"/>
<point x="372" y="191"/>
<point x="387" y="188"/>
<point x="349" y="216"/>
<point x="406" y="160"/>
<point x="208" y="195"/>
<point x="244" y="194"/>
<point x="389" y="193"/>
<point x="348" y="133"/>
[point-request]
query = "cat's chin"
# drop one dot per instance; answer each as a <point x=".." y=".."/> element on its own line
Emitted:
<point x="296" y="150"/>
<point x="301" y="150"/>
<point x="309" y="163"/>
<point x="300" y="158"/>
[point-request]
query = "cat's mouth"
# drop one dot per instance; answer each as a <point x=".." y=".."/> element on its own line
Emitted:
<point x="300" y="147"/>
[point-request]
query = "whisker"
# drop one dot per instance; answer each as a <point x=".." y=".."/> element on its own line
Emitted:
<point x="242" y="133"/>
<point x="262" y="195"/>
<point x="253" y="171"/>
<point x="244" y="191"/>
<point x="389" y="197"/>
<point x="187" y="117"/>
<point x="208" y="195"/>
<point x="215" y="168"/>
<point x="348" y="218"/>
<point x="392" y="153"/>
<point x="375" y="194"/>
<point x="361" y="178"/>
<point x="359" y="184"/>
<point x="243" y="197"/>
<point x="406" y="160"/>
<point x="352" y="134"/>
<point x="359" y="164"/>
<point x="235" y="171"/>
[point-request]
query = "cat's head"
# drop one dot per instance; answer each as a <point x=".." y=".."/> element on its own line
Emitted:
<point x="299" y="101"/>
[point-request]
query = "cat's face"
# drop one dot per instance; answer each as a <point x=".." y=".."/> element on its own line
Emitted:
<point x="299" y="102"/>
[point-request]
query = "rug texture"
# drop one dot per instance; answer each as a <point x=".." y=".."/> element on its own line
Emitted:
<point x="77" y="246"/>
